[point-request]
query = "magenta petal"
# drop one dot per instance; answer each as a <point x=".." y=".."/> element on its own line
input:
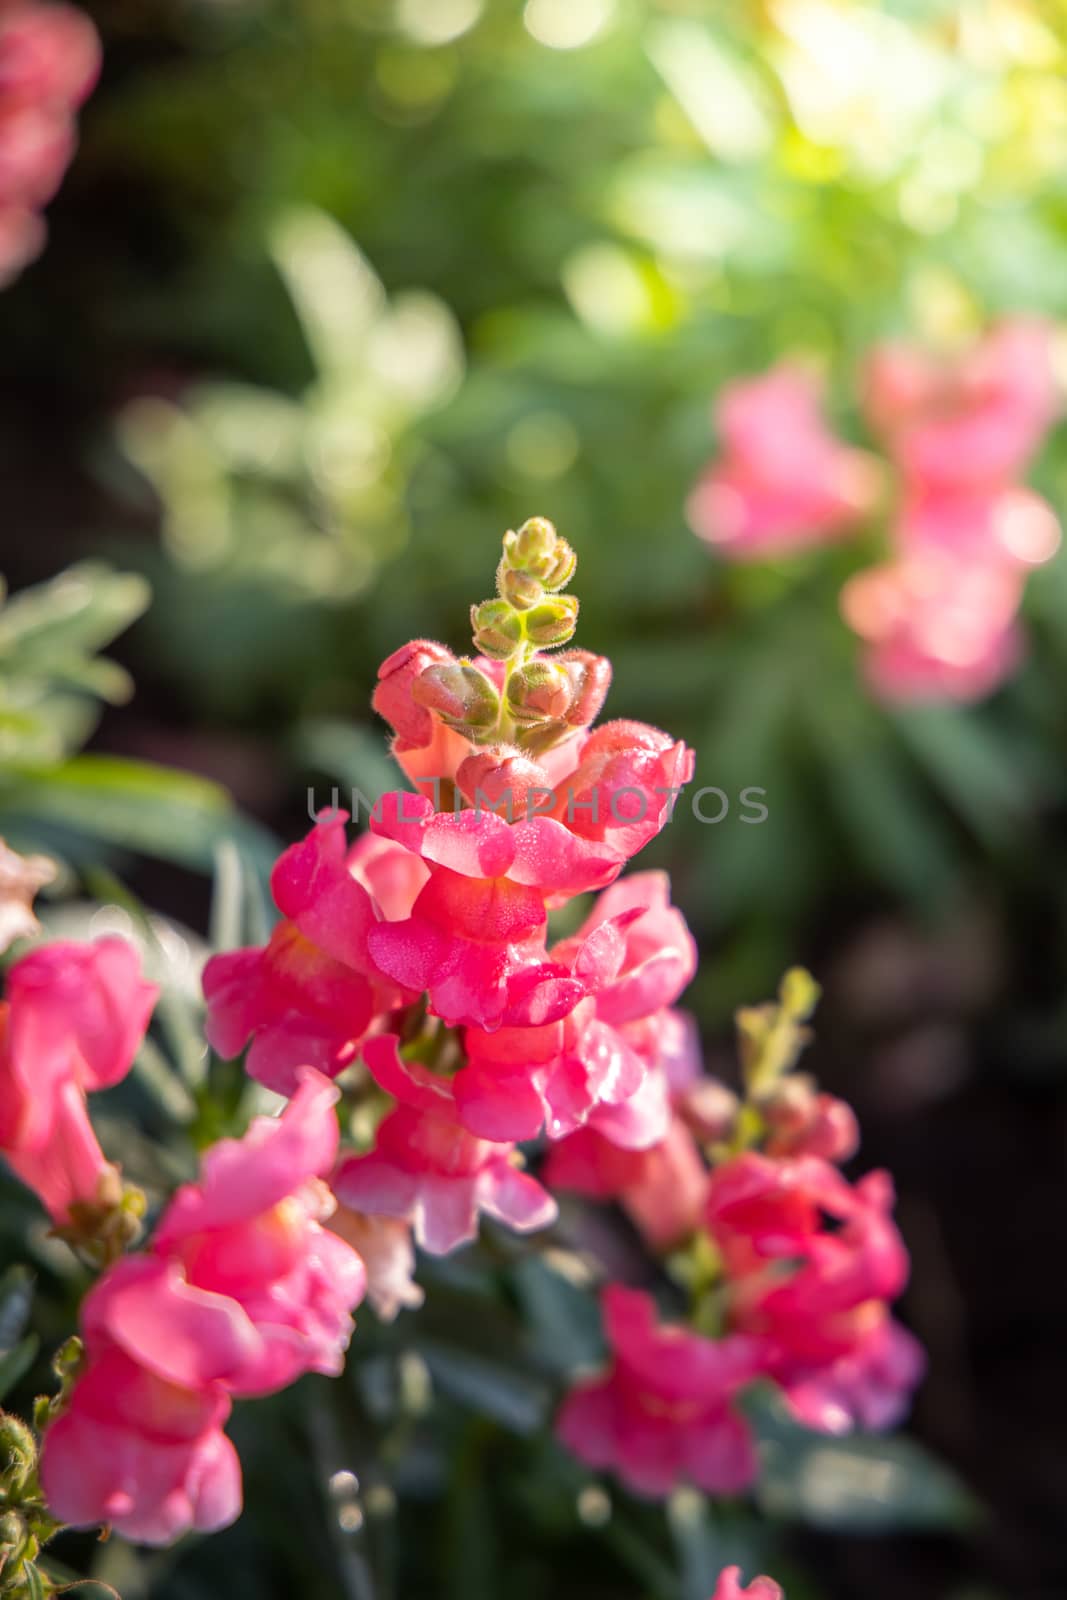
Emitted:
<point x="184" y="1335"/>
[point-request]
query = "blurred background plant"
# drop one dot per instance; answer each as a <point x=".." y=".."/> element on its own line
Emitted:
<point x="335" y="292"/>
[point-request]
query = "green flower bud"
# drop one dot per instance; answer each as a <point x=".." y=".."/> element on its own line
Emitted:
<point x="459" y="694"/>
<point x="497" y="629"/>
<point x="518" y="588"/>
<point x="553" y="621"/>
<point x="538" y="550"/>
<point x="18" y="1454"/>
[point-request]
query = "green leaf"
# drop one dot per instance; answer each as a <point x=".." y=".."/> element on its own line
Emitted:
<point x="858" y="1484"/>
<point x="74" y="614"/>
<point x="137" y="806"/>
<point x="509" y="1395"/>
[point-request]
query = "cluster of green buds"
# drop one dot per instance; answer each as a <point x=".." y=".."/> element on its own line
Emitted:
<point x="25" y="1523"/>
<point x="528" y="612"/>
<point x="536" y="700"/>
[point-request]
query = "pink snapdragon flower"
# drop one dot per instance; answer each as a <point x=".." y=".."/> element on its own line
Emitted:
<point x="729" y="1587"/>
<point x="812" y="1263"/>
<point x="140" y="1445"/>
<point x="975" y="420"/>
<point x="801" y="1120"/>
<point x="250" y="1231"/>
<point x="936" y="628"/>
<point x="310" y="995"/>
<point x="633" y="956"/>
<point x="242" y="1292"/>
<point x="72" y="1022"/>
<point x="663" y="1413"/>
<point x="783" y="481"/>
<point x="49" y="61"/>
<point x="427" y="1170"/>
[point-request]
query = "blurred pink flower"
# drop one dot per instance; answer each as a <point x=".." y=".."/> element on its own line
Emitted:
<point x="936" y="628"/>
<point x="662" y="1415"/>
<point x="72" y="1022"/>
<point x="729" y="1587"/>
<point x="970" y="420"/>
<point x="49" y="61"/>
<point x="783" y="481"/>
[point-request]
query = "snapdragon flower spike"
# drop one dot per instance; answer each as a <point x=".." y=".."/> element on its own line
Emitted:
<point x="310" y="995"/>
<point x="812" y="1263"/>
<point x="427" y="1170"/>
<point x="663" y="1414"/>
<point x="729" y="1587"/>
<point x="72" y="1022"/>
<point x="632" y="958"/>
<point x="783" y="481"/>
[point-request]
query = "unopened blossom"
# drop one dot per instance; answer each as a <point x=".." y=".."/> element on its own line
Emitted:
<point x="72" y="1021"/>
<point x="730" y="1587"/>
<point x="783" y="481"/>
<point x="310" y="995"/>
<point x="251" y="1230"/>
<point x="49" y="61"/>
<point x="20" y="879"/>
<point x="801" y="1120"/>
<point x="427" y="1170"/>
<point x="664" y="1414"/>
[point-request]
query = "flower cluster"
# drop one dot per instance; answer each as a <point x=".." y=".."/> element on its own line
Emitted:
<point x="412" y="997"/>
<point x="939" y="618"/>
<point x="790" y="1269"/>
<point x="49" y="60"/>
<point x="423" y="949"/>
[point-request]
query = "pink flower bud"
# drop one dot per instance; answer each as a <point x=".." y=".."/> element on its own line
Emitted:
<point x="538" y="692"/>
<point x="502" y="779"/>
<point x="590" y="680"/>
<point x="803" y="1122"/>
<point x="393" y="698"/>
<point x="729" y="1587"/>
<point x="459" y="694"/>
